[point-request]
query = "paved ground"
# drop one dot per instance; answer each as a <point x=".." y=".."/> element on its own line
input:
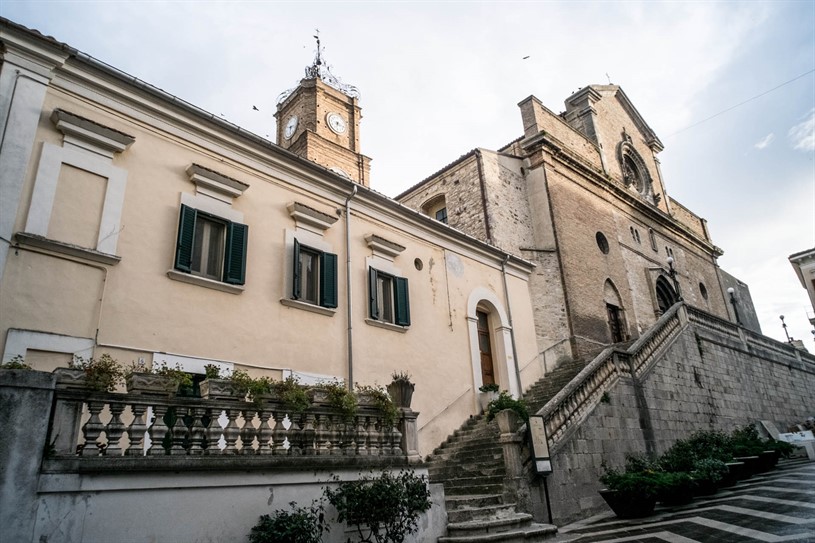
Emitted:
<point x="776" y="506"/>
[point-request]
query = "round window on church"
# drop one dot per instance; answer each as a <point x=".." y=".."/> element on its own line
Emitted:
<point x="602" y="242"/>
<point x="703" y="290"/>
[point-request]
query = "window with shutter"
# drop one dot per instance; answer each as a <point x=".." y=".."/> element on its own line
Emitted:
<point x="211" y="247"/>
<point x="388" y="298"/>
<point x="314" y="276"/>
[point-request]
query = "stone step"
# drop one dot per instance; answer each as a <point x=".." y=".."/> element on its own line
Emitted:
<point x="459" y="482"/>
<point x="455" y="472"/>
<point x="474" y="489"/>
<point x="513" y="521"/>
<point x="534" y="533"/>
<point x="467" y="514"/>
<point x="472" y="500"/>
<point x="467" y="456"/>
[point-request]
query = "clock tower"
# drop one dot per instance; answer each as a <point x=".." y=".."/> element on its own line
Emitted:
<point x="319" y="120"/>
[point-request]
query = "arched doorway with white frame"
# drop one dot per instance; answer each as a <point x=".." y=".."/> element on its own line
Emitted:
<point x="490" y="342"/>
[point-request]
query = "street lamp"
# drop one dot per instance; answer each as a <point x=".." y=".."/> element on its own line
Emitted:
<point x="672" y="273"/>
<point x="731" y="291"/>
<point x="784" y="326"/>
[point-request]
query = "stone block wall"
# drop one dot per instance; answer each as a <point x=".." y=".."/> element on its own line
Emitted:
<point x="705" y="380"/>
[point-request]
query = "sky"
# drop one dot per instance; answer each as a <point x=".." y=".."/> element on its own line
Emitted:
<point x="728" y="87"/>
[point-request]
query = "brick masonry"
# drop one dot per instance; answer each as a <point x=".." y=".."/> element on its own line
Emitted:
<point x="704" y="381"/>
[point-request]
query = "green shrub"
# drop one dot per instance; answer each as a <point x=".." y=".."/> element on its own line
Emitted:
<point x="383" y="402"/>
<point x="632" y="485"/>
<point x="211" y="371"/>
<point x="505" y="401"/>
<point x="341" y="399"/>
<point x="711" y="444"/>
<point x="490" y="387"/>
<point x="709" y="470"/>
<point x="17" y="362"/>
<point x="680" y="457"/>
<point x="388" y="505"/>
<point x="782" y="447"/>
<point x="252" y="387"/>
<point x="745" y="441"/>
<point x="295" y="525"/>
<point x="292" y="394"/>
<point x="103" y="373"/>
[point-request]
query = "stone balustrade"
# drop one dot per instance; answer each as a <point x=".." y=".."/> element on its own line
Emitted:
<point x="105" y="425"/>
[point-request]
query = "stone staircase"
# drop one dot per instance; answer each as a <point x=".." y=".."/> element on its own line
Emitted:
<point x="470" y="464"/>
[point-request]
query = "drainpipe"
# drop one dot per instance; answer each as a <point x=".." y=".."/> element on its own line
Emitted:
<point x="348" y="287"/>
<point x="511" y="327"/>
<point x="483" y="186"/>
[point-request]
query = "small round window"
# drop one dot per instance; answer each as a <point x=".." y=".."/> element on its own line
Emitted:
<point x="703" y="290"/>
<point x="602" y="242"/>
<point x="418" y="264"/>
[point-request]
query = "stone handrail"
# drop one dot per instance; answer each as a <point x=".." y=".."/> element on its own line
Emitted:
<point x="568" y="407"/>
<point x="137" y="425"/>
<point x="706" y="320"/>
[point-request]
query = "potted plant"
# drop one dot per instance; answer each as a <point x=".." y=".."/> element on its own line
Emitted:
<point x="487" y="393"/>
<point x="337" y="395"/>
<point x="16" y="362"/>
<point x="507" y="423"/>
<point x="401" y="389"/>
<point x="630" y="494"/>
<point x="382" y="401"/>
<point x="255" y="389"/>
<point x="216" y="386"/>
<point x="102" y="374"/>
<point x="158" y="380"/>
<point x="708" y="472"/>
<point x="292" y="394"/>
<point x="675" y="488"/>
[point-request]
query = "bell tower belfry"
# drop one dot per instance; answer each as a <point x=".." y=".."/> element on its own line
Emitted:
<point x="319" y="120"/>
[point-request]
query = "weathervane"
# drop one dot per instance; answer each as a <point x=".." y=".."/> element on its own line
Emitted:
<point x="319" y="69"/>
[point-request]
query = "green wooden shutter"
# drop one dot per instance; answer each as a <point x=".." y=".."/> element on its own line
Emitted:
<point x="373" y="307"/>
<point x="402" y="310"/>
<point x="235" y="254"/>
<point x="295" y="275"/>
<point x="328" y="280"/>
<point x="186" y="235"/>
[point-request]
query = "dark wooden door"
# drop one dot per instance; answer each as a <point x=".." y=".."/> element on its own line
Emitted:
<point x="615" y="323"/>
<point x="485" y="348"/>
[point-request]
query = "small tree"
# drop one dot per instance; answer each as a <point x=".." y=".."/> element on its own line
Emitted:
<point x="388" y="505"/>
<point x="295" y="525"/>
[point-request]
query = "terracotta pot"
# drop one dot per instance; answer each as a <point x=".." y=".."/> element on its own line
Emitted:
<point x="401" y="392"/>
<point x="626" y="506"/>
<point x="150" y="384"/>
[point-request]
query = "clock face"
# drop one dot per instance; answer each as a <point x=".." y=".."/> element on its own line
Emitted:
<point x="336" y="122"/>
<point x="291" y="126"/>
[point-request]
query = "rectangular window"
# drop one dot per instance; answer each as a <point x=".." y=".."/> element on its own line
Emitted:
<point x="211" y="247"/>
<point x="388" y="298"/>
<point x="315" y="276"/>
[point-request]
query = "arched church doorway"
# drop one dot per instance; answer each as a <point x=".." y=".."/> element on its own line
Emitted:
<point x="614" y="310"/>
<point x="485" y="348"/>
<point x="666" y="295"/>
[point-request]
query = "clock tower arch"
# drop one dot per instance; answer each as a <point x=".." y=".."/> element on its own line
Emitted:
<point x="319" y="120"/>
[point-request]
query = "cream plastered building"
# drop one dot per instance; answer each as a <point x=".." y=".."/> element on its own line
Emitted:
<point x="136" y="224"/>
<point x="581" y="194"/>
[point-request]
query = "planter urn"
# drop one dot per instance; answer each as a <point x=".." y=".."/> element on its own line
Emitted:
<point x="484" y="399"/>
<point x="72" y="379"/>
<point x="218" y="389"/>
<point x="401" y="392"/>
<point x="625" y="505"/>
<point x="508" y="421"/>
<point x="150" y="384"/>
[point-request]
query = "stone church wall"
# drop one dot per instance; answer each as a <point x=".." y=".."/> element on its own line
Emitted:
<point x="705" y="381"/>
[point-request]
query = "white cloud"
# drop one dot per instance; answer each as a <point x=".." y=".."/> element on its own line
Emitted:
<point x="802" y="135"/>
<point x="765" y="141"/>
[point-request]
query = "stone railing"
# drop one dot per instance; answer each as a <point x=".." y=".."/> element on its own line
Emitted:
<point x="569" y="406"/>
<point x="706" y="320"/>
<point x="88" y="424"/>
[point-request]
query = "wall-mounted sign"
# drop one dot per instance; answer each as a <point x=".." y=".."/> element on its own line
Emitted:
<point x="540" y="448"/>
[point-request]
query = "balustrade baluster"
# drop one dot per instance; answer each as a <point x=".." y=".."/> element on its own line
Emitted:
<point x="213" y="432"/>
<point x="373" y="442"/>
<point x="157" y="431"/>
<point x="115" y="429"/>
<point x="309" y="447"/>
<point x="93" y="429"/>
<point x="323" y="445"/>
<point x="197" y="431"/>
<point x="180" y="433"/>
<point x="264" y="432"/>
<point x="136" y="431"/>
<point x="396" y="441"/>
<point x="295" y="435"/>
<point x="247" y="433"/>
<point x="336" y="434"/>
<point x="279" y="435"/>
<point x="349" y="446"/>
<point x="231" y="432"/>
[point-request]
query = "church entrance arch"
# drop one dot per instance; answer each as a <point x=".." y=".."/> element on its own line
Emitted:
<point x="614" y="310"/>
<point x="485" y="347"/>
<point x="666" y="295"/>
